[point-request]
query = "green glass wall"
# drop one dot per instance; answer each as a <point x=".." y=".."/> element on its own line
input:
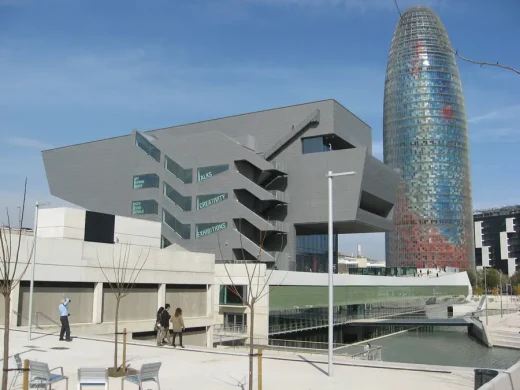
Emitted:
<point x="287" y="297"/>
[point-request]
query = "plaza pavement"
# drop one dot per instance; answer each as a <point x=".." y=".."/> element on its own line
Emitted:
<point x="201" y="368"/>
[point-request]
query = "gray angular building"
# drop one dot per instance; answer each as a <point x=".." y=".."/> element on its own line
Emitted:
<point x="245" y="187"/>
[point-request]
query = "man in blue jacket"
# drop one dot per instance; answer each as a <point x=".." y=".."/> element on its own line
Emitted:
<point x="63" y="308"/>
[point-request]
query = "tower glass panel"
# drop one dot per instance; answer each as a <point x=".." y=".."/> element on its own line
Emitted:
<point x="426" y="140"/>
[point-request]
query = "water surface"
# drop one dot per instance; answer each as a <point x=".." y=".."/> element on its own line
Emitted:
<point x="447" y="348"/>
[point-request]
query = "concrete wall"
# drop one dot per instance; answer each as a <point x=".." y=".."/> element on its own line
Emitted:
<point x="140" y="304"/>
<point x="197" y="338"/>
<point x="191" y="299"/>
<point x="69" y="223"/>
<point x="239" y="277"/>
<point x="93" y="307"/>
<point x="47" y="297"/>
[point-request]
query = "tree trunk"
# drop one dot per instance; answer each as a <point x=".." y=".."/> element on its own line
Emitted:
<point x="118" y="300"/>
<point x="5" y="365"/>
<point x="251" y="344"/>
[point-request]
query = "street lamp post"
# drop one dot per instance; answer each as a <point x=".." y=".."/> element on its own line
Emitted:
<point x="501" y="312"/>
<point x="31" y="289"/>
<point x="330" y="176"/>
<point x="485" y="290"/>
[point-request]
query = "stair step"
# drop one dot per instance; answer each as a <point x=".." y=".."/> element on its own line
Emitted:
<point x="512" y="331"/>
<point x="507" y="345"/>
<point x="505" y="342"/>
<point x="498" y="336"/>
<point x="505" y="336"/>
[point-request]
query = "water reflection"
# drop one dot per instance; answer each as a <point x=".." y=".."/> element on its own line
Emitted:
<point x="444" y="347"/>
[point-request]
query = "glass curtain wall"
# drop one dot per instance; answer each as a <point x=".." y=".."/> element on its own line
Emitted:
<point x="312" y="253"/>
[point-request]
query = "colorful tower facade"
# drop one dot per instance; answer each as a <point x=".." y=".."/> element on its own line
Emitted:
<point x="426" y="140"/>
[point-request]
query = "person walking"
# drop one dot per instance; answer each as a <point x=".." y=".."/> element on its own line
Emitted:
<point x="164" y="325"/>
<point x="157" y="326"/>
<point x="63" y="308"/>
<point x="178" y="326"/>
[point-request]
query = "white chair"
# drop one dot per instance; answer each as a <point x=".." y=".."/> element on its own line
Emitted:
<point x="92" y="377"/>
<point x="149" y="372"/>
<point x="41" y="375"/>
<point x="19" y="366"/>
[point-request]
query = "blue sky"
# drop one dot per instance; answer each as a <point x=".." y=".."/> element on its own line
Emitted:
<point x="80" y="70"/>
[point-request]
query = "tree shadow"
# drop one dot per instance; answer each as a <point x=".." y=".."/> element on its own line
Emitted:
<point x="313" y="364"/>
<point x="236" y="383"/>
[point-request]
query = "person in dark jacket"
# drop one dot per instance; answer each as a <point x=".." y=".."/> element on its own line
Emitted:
<point x="158" y="320"/>
<point x="164" y="323"/>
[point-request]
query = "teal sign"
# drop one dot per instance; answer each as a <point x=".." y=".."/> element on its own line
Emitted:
<point x="149" y="180"/>
<point x="137" y="208"/>
<point x="144" y="207"/>
<point x="204" y="201"/>
<point x="208" y="172"/>
<point x="205" y="229"/>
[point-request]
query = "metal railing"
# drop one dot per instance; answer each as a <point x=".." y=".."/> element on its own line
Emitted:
<point x="227" y="329"/>
<point x="373" y="353"/>
<point x="20" y="315"/>
<point x="358" y="352"/>
<point x="310" y="323"/>
<point x="301" y="320"/>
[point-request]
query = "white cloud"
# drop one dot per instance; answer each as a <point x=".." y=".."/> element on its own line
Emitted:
<point x="138" y="79"/>
<point x="28" y="143"/>
<point x="496" y="135"/>
<point x="504" y="113"/>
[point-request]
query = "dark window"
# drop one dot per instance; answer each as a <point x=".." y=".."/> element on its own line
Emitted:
<point x="184" y="175"/>
<point x="314" y="145"/>
<point x="229" y="296"/>
<point x="184" y="202"/>
<point x="148" y="180"/>
<point x="165" y="242"/>
<point x="140" y="207"/>
<point x="182" y="230"/>
<point x="324" y="143"/>
<point x="147" y="147"/>
<point x="205" y="229"/>
<point x="99" y="227"/>
<point x="205" y="173"/>
<point x="312" y="253"/>
<point x="204" y="201"/>
<point x="374" y="204"/>
<point x="235" y="321"/>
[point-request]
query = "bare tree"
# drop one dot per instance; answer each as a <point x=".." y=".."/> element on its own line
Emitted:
<point x="470" y="60"/>
<point x="122" y="277"/>
<point x="11" y="272"/>
<point x="256" y="289"/>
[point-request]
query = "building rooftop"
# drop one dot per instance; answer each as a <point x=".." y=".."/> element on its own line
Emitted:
<point x="495" y="211"/>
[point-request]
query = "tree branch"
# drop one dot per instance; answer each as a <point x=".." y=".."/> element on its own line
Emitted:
<point x="483" y="63"/>
<point x="398" y="10"/>
<point x="13" y="276"/>
<point x="227" y="271"/>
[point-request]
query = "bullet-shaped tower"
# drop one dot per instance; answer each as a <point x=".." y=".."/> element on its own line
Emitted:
<point x="426" y="140"/>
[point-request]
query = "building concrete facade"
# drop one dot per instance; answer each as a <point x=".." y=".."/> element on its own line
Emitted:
<point x="497" y="238"/>
<point x="68" y="264"/>
<point x="246" y="187"/>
